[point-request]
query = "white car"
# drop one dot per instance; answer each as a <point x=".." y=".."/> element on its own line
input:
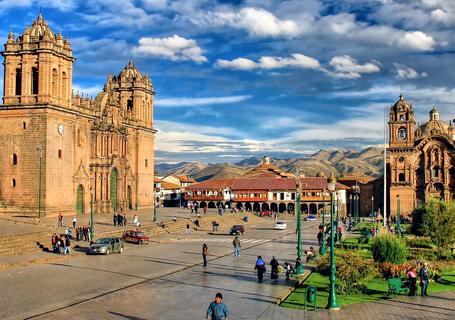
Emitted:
<point x="280" y="225"/>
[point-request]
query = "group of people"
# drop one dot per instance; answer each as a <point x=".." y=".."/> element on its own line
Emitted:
<point x="61" y="244"/>
<point x="412" y="279"/>
<point x="275" y="267"/>
<point x="83" y="233"/>
<point x="119" y="219"/>
<point x="324" y="234"/>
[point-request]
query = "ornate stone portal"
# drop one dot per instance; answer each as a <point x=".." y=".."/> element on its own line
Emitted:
<point x="420" y="161"/>
<point x="67" y="145"/>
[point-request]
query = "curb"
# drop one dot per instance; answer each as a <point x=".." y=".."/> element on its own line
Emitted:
<point x="297" y="284"/>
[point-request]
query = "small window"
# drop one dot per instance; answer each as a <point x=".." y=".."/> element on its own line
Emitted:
<point x="401" y="159"/>
<point x="13" y="183"/>
<point x="401" y="177"/>
<point x="24" y="125"/>
<point x="401" y="117"/>
<point x="14" y="159"/>
<point x="60" y="153"/>
<point x="146" y="163"/>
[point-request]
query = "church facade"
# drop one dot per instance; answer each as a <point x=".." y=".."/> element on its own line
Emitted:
<point x="420" y="159"/>
<point x="59" y="150"/>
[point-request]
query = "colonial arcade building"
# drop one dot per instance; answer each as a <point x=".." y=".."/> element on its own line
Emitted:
<point x="59" y="148"/>
<point x="421" y="160"/>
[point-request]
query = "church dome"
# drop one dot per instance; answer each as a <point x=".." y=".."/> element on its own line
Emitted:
<point x="434" y="125"/>
<point x="130" y="71"/>
<point x="401" y="105"/>
<point x="39" y="28"/>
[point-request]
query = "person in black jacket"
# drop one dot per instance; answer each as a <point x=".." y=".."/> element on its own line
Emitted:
<point x="274" y="272"/>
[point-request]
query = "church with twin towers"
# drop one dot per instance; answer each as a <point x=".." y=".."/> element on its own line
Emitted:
<point x="60" y="149"/>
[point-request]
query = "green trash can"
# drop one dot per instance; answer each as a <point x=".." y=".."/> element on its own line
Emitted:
<point x="310" y="296"/>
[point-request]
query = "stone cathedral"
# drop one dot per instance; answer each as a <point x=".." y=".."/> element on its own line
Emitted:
<point x="59" y="150"/>
<point x="420" y="160"/>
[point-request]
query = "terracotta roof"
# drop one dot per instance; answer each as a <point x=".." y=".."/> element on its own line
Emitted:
<point x="155" y="179"/>
<point x="169" y="185"/>
<point x="318" y="183"/>
<point x="264" y="168"/>
<point x="185" y="179"/>
<point x="264" y="184"/>
<point x="211" y="184"/>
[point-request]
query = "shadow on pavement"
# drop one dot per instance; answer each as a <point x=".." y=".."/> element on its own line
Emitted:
<point x="126" y="316"/>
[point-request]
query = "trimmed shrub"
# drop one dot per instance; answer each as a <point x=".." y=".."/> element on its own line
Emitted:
<point x="351" y="271"/>
<point x="389" y="248"/>
<point x="419" y="242"/>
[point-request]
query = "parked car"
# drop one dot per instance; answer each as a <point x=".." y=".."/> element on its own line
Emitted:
<point x="311" y="217"/>
<point x="135" y="236"/>
<point x="280" y="225"/>
<point x="237" y="229"/>
<point x="107" y="245"/>
<point x="265" y="213"/>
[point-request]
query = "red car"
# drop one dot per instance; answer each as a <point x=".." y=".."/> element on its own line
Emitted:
<point x="135" y="236"/>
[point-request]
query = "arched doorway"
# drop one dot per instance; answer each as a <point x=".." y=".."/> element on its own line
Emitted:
<point x="129" y="205"/>
<point x="282" y="207"/>
<point x="304" y="208"/>
<point x="256" y="207"/>
<point x="203" y="205"/>
<point x="248" y="206"/>
<point x="274" y="207"/>
<point x="211" y="205"/>
<point x="313" y="209"/>
<point x="265" y="207"/>
<point x="80" y="200"/>
<point x="113" y="187"/>
<point x="291" y="207"/>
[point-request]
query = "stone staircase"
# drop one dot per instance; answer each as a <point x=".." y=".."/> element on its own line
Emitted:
<point x="26" y="243"/>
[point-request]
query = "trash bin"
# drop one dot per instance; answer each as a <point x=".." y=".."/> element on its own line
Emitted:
<point x="311" y="294"/>
<point x="310" y="297"/>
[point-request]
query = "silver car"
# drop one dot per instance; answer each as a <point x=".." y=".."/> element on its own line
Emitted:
<point x="107" y="245"/>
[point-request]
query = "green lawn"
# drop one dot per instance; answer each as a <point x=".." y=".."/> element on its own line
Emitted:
<point x="377" y="291"/>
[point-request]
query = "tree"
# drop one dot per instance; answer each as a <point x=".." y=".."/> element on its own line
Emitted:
<point x="438" y="222"/>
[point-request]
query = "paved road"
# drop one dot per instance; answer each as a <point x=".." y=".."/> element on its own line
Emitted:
<point x="159" y="281"/>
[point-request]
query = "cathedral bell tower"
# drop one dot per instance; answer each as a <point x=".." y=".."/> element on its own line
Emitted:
<point x="38" y="67"/>
<point x="401" y="124"/>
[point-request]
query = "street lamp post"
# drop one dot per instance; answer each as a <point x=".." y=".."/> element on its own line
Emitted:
<point x="398" y="216"/>
<point x="154" y="212"/>
<point x="337" y="217"/>
<point x="323" y="249"/>
<point x="372" y="207"/>
<point x="92" y="221"/>
<point x="350" y="208"/>
<point x="299" y="229"/>
<point x="40" y="150"/>
<point x="332" y="302"/>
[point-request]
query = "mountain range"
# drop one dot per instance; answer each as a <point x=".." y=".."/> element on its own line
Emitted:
<point x="368" y="161"/>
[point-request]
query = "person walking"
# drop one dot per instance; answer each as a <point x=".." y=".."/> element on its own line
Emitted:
<point x="274" y="272"/>
<point x="205" y="252"/>
<point x="236" y="244"/>
<point x="260" y="267"/>
<point x="74" y="222"/>
<point x="412" y="278"/>
<point x="114" y="218"/>
<point x="187" y="229"/>
<point x="217" y="310"/>
<point x="423" y="273"/>
<point x="67" y="245"/>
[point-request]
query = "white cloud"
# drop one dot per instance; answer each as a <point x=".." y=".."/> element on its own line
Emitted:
<point x="297" y="60"/>
<point x="179" y="102"/>
<point x="416" y="40"/>
<point x="405" y="72"/>
<point x="90" y="91"/>
<point x="256" y="21"/>
<point x="173" y="48"/>
<point x="65" y="6"/>
<point x="347" y="67"/>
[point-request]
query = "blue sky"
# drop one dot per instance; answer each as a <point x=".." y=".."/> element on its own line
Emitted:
<point x="240" y="78"/>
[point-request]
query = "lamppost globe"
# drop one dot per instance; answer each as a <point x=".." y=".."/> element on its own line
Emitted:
<point x="331" y="183"/>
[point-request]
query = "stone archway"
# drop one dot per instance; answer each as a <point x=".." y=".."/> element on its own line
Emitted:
<point x="80" y="200"/>
<point x="265" y="206"/>
<point x="129" y="204"/>
<point x="291" y="207"/>
<point x="256" y="207"/>
<point x="203" y="205"/>
<point x="274" y="207"/>
<point x="313" y="209"/>
<point x="282" y="207"/>
<point x="304" y="208"/>
<point x="248" y="206"/>
<point x="211" y="205"/>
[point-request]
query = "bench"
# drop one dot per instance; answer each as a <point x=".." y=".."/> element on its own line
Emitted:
<point x="396" y="286"/>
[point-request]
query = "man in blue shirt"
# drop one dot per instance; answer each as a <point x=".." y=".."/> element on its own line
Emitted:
<point x="217" y="310"/>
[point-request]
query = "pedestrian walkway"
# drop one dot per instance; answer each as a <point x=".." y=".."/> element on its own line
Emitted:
<point x="229" y="240"/>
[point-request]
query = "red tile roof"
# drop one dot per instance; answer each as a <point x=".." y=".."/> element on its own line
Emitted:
<point x="155" y="179"/>
<point x="185" y="179"/>
<point x="211" y="184"/>
<point x="169" y="186"/>
<point x="318" y="183"/>
<point x="264" y="184"/>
